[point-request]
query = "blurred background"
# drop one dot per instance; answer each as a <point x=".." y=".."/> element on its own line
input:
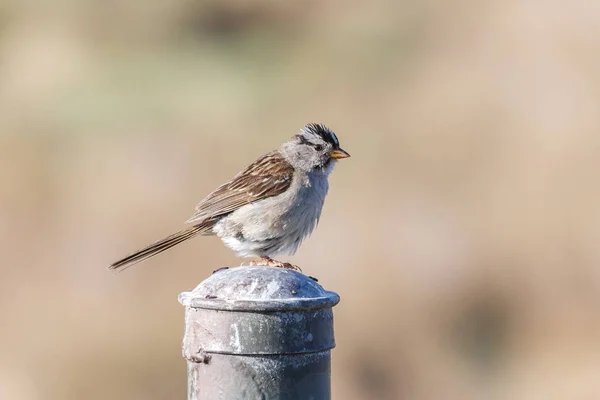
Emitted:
<point x="462" y="235"/>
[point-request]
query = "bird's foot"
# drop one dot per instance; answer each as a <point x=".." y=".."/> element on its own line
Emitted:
<point x="257" y="263"/>
<point x="269" y="262"/>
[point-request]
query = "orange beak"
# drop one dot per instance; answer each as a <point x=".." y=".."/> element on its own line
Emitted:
<point x="338" y="154"/>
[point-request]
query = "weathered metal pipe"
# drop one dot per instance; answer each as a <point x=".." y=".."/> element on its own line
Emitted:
<point x="258" y="333"/>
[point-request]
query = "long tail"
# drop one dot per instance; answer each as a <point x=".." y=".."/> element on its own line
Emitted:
<point x="159" y="246"/>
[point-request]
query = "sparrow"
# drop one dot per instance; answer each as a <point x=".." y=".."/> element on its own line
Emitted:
<point x="269" y="208"/>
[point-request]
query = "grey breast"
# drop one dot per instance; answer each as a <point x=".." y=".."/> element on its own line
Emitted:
<point x="277" y="225"/>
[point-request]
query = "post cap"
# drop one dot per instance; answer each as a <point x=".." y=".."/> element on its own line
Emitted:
<point x="259" y="289"/>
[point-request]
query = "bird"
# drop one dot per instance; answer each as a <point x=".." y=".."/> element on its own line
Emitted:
<point x="267" y="209"/>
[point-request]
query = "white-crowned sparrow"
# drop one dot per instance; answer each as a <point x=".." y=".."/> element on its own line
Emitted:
<point x="270" y="207"/>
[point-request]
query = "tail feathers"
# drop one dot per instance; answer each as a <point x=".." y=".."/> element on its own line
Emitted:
<point x="158" y="247"/>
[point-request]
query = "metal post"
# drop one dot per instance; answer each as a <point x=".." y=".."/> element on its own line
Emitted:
<point x="258" y="333"/>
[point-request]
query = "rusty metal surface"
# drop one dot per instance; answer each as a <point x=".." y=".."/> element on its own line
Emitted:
<point x="258" y="333"/>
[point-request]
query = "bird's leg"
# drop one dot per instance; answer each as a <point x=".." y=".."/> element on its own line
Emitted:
<point x="263" y="262"/>
<point x="269" y="262"/>
<point x="279" y="264"/>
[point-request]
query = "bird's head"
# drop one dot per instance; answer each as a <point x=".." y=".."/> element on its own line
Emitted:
<point x="316" y="146"/>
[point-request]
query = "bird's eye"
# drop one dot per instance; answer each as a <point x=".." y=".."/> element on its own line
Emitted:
<point x="319" y="147"/>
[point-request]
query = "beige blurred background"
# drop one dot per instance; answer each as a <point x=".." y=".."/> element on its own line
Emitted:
<point x="462" y="235"/>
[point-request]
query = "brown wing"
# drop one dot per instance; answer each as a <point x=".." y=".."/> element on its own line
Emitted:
<point x="268" y="176"/>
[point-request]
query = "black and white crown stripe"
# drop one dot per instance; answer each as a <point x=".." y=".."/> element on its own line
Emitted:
<point x="322" y="131"/>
